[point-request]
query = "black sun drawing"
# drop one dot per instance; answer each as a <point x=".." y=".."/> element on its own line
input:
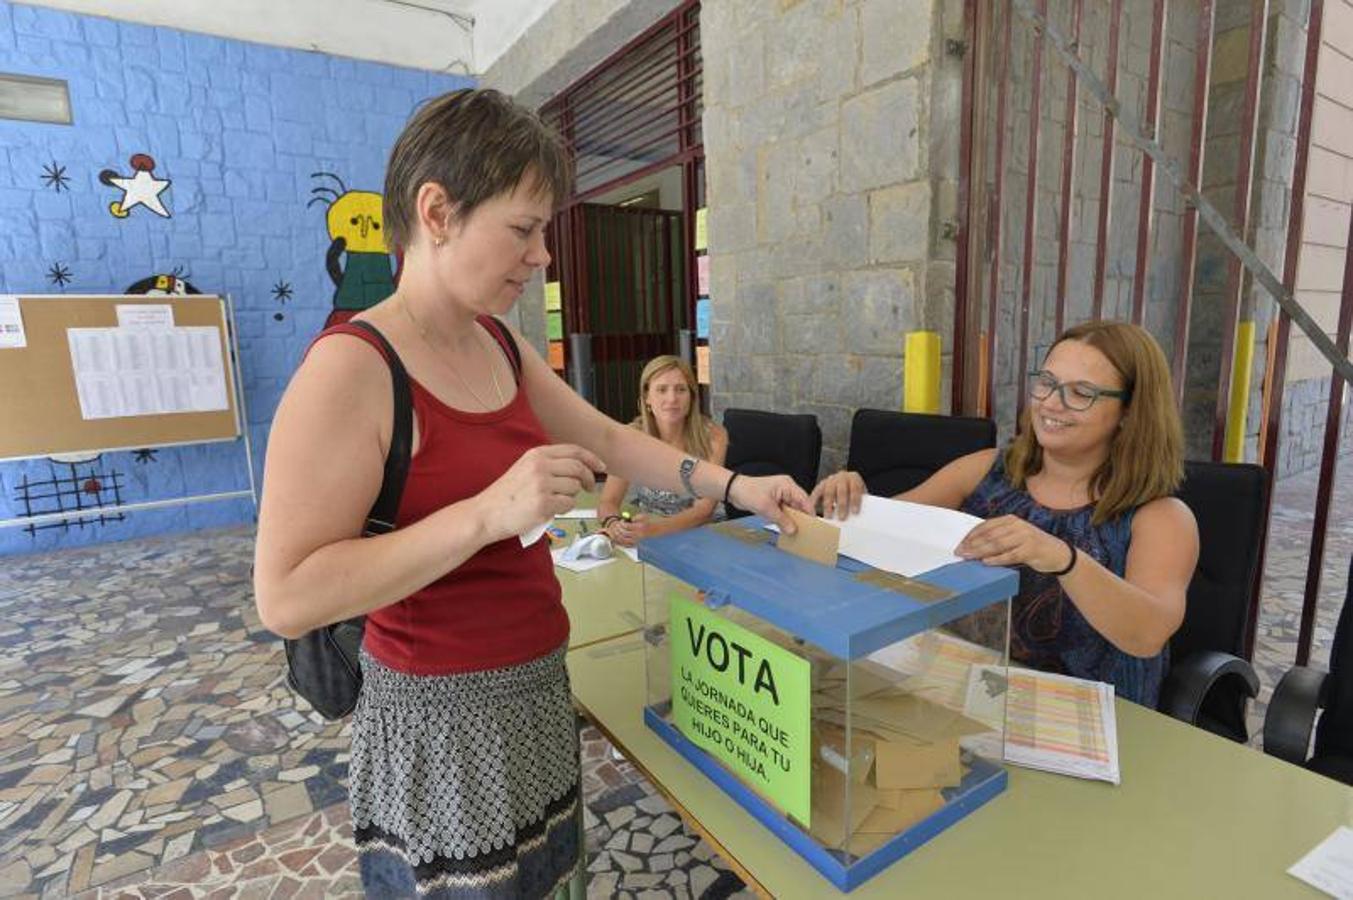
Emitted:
<point x="145" y="456"/>
<point x="55" y="176"/>
<point x="58" y="275"/>
<point x="281" y="292"/>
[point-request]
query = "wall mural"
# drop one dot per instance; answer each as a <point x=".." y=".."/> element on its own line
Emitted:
<point x="59" y="275"/>
<point x="281" y="292"/>
<point x="358" y="260"/>
<point x="139" y="189"/>
<point x="173" y="283"/>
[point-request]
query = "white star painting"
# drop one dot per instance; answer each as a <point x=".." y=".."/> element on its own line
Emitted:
<point x="142" y="188"/>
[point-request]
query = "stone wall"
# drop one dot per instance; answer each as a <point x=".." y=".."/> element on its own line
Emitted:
<point x="823" y="173"/>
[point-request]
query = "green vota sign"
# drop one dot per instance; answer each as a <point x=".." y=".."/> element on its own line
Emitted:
<point x="744" y="700"/>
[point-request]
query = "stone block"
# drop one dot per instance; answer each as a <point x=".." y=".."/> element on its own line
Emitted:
<point x="894" y="38"/>
<point x="809" y="294"/>
<point x="878" y="309"/>
<point x="845" y="226"/>
<point x="880" y="136"/>
<point x="899" y="223"/>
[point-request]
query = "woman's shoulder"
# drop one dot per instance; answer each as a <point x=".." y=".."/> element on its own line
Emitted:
<point x="1165" y="513"/>
<point x="715" y="431"/>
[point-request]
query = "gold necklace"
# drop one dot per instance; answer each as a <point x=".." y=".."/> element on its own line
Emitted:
<point x="422" y="333"/>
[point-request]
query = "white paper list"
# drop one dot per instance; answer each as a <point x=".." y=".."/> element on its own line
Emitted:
<point x="147" y="371"/>
<point x="11" y="324"/>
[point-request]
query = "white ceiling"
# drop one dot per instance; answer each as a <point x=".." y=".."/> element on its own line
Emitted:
<point x="458" y="36"/>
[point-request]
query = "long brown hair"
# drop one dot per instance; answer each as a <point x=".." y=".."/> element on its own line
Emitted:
<point x="1146" y="455"/>
<point x="695" y="430"/>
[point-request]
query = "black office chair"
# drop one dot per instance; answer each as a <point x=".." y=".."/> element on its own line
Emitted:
<point x="1210" y="683"/>
<point x="767" y="443"/>
<point x="1302" y="692"/>
<point x="896" y="451"/>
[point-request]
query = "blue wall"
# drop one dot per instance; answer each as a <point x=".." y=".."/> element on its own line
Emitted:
<point x="238" y="129"/>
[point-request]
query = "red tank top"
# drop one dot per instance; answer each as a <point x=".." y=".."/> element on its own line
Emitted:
<point x="501" y="606"/>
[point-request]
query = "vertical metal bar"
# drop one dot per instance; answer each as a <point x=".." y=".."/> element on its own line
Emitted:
<point x="1106" y="165"/>
<point x="1202" y="84"/>
<point x="1151" y="129"/>
<point x="1279" y="335"/>
<point x="989" y="394"/>
<point x="1030" y="210"/>
<point x="1328" y="459"/>
<point x="1249" y="123"/>
<point x="1068" y="172"/>
<point x="959" y="354"/>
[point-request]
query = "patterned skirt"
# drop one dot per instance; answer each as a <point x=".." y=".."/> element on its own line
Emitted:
<point x="466" y="785"/>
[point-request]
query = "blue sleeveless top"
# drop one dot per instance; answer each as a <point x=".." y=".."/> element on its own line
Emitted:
<point x="1047" y="631"/>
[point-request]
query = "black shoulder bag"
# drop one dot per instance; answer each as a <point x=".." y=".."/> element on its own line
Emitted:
<point x="323" y="666"/>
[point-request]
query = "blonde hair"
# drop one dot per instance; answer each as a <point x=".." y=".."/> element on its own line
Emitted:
<point x="695" y="431"/>
<point x="1146" y="453"/>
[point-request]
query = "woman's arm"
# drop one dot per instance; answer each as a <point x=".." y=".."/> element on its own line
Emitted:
<point x="637" y="457"/>
<point x="702" y="510"/>
<point x="325" y="461"/>
<point x="612" y="496"/>
<point x="841" y="493"/>
<point x="1138" y="612"/>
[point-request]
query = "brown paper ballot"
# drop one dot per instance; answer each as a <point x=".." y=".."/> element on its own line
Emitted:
<point x="815" y="540"/>
<point x="911" y="765"/>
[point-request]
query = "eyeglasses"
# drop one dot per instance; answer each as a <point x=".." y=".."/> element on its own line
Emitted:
<point x="1077" y="395"/>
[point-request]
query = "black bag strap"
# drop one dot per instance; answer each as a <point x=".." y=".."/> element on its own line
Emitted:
<point x="381" y="519"/>
<point x="503" y="335"/>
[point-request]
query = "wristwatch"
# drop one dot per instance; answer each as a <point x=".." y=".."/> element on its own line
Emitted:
<point x="687" y="470"/>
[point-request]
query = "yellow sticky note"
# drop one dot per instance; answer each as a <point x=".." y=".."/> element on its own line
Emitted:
<point x="554" y="297"/>
<point x="701" y="235"/>
<point x="702" y="364"/>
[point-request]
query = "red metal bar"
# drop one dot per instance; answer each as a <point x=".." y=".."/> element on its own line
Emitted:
<point x="957" y="405"/>
<point x="1030" y="212"/>
<point x="1068" y="172"/>
<point x="637" y="174"/>
<point x="1152" y="104"/>
<point x="652" y="142"/>
<point x="604" y="66"/>
<point x="1244" y="181"/>
<point x="1106" y="165"/>
<point x="1202" y="83"/>
<point x="607" y="123"/>
<point x="1328" y="460"/>
<point x="1277" y="373"/>
<point x="989" y="406"/>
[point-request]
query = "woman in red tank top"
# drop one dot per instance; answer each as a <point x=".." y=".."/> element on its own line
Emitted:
<point x="464" y="770"/>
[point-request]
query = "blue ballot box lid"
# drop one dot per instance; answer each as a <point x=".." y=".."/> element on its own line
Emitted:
<point x="829" y="606"/>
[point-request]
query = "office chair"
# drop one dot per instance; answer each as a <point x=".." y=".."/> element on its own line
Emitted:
<point x="767" y="443"/>
<point x="1210" y="682"/>
<point x="1302" y="692"/>
<point x="895" y="451"/>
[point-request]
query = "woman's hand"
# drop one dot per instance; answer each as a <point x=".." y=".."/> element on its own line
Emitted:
<point x="840" y="494"/>
<point x="766" y="495"/>
<point x="541" y="484"/>
<point x="1011" y="541"/>
<point x="628" y="533"/>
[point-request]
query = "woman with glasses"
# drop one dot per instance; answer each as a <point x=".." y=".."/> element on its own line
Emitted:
<point x="1081" y="501"/>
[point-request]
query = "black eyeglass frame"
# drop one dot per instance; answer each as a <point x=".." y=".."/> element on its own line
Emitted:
<point x="1059" y="387"/>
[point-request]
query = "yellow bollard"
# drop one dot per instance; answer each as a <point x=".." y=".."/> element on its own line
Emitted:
<point x="1238" y="408"/>
<point x="921" y="373"/>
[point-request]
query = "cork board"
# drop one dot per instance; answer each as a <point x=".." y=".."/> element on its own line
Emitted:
<point x="39" y="403"/>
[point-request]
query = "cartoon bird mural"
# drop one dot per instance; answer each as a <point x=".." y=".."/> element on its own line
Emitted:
<point x="363" y="278"/>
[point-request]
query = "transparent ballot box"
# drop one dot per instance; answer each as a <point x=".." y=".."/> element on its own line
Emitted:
<point x="855" y="713"/>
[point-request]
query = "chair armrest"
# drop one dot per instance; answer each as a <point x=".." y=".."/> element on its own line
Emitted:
<point x="1291" y="713"/>
<point x="1192" y="682"/>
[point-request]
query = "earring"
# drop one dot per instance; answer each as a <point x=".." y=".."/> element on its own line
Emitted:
<point x="439" y="242"/>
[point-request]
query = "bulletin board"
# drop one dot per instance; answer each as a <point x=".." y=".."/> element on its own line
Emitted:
<point x="39" y="401"/>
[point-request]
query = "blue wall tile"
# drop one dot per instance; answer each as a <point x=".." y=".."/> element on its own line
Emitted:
<point x="238" y="129"/>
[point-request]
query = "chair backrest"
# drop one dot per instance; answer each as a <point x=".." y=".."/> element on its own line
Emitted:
<point x="1228" y="500"/>
<point x="896" y="451"/>
<point x="767" y="443"/>
<point x="1334" y="735"/>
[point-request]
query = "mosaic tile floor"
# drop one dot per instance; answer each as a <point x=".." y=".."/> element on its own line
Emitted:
<point x="148" y="747"/>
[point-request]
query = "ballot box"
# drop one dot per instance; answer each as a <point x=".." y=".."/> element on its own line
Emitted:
<point x="854" y="712"/>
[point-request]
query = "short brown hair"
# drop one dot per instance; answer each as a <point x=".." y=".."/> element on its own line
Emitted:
<point x="476" y="144"/>
<point x="1146" y="458"/>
